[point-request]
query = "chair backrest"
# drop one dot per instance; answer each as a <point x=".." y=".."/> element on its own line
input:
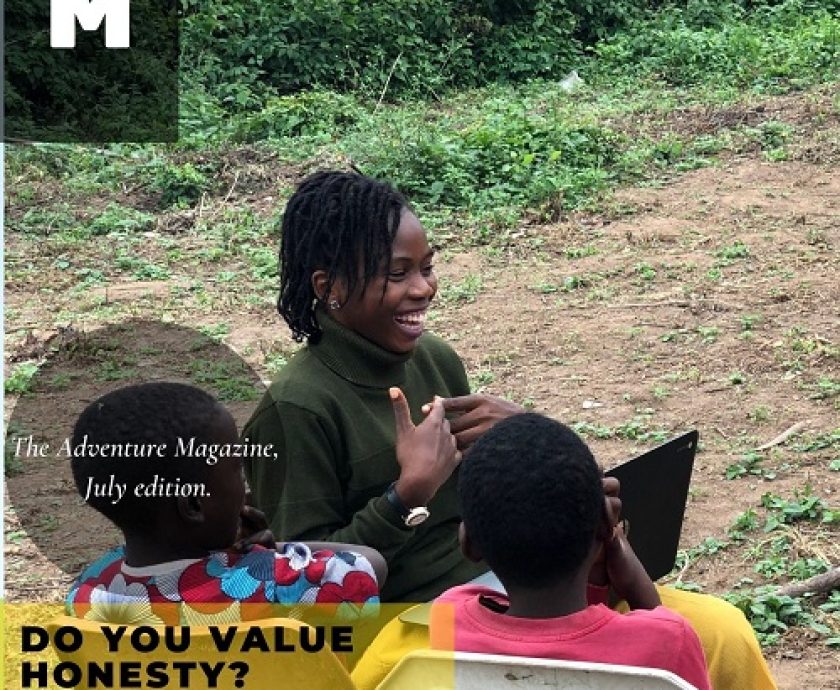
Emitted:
<point x="436" y="670"/>
<point x="265" y="670"/>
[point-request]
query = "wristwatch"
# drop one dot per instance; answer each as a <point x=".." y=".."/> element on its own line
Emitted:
<point x="410" y="516"/>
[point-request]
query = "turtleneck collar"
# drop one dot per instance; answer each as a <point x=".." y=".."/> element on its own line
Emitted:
<point x="356" y="358"/>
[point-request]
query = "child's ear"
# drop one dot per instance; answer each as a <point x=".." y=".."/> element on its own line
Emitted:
<point x="190" y="509"/>
<point x="468" y="547"/>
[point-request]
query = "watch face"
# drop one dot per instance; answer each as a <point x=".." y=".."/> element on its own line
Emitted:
<point x="416" y="516"/>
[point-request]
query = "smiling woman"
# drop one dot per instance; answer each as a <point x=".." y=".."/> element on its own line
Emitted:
<point x="356" y="282"/>
<point x="391" y="310"/>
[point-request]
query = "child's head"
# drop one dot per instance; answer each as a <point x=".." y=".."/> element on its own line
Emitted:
<point x="163" y="487"/>
<point x="350" y="244"/>
<point x="531" y="501"/>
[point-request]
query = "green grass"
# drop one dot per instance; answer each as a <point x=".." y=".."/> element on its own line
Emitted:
<point x="781" y="540"/>
<point x="21" y="379"/>
<point x="466" y="290"/>
<point x="230" y="381"/>
<point x="473" y="162"/>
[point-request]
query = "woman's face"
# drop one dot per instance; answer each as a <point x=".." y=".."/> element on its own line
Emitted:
<point x="394" y="319"/>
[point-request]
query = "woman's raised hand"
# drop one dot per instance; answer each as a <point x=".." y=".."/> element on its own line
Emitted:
<point x="475" y="414"/>
<point x="427" y="453"/>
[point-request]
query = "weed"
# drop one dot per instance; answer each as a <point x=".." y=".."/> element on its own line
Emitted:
<point x="749" y="321"/>
<point x="803" y="506"/>
<point x="745" y="522"/>
<point x="112" y="370"/>
<point x="661" y="392"/>
<point x="44" y="221"/>
<point x="12" y="461"/>
<point x="574" y="282"/>
<point x="274" y="362"/>
<point x="729" y="253"/>
<point x="825" y="388"/>
<point x="140" y="268"/>
<point x="264" y="263"/>
<point x="481" y="379"/>
<point x="579" y="252"/>
<point x="769" y="613"/>
<point x="820" y="442"/>
<point x="749" y="464"/>
<point x="645" y="271"/>
<point x="737" y="378"/>
<point x="688" y="586"/>
<point x="634" y="430"/>
<point x="180" y="184"/>
<point x="773" y="135"/>
<point x="759" y="414"/>
<point x="216" y="332"/>
<point x="230" y="383"/>
<point x="708" y="333"/>
<point x="21" y="379"/>
<point x="60" y="381"/>
<point x="674" y="336"/>
<point x="464" y="291"/>
<point x="119" y="219"/>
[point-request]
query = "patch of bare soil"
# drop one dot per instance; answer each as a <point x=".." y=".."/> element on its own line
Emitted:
<point x="710" y="303"/>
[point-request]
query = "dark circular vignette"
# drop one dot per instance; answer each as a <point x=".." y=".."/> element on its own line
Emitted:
<point x="79" y="367"/>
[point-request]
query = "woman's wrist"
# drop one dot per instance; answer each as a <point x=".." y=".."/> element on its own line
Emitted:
<point x="412" y="493"/>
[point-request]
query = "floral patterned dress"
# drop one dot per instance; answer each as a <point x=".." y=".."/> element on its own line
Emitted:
<point x="224" y="587"/>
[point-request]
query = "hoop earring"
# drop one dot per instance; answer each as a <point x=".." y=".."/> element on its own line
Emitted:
<point x="334" y="304"/>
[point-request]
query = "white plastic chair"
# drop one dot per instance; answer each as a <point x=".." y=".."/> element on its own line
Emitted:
<point x="436" y="670"/>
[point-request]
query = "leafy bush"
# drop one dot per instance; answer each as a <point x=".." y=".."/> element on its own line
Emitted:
<point x="180" y="184"/>
<point x="793" y="42"/>
<point x="309" y="113"/>
<point x="245" y="51"/>
<point x="20" y="380"/>
<point x="506" y="153"/>
<point x="116" y="218"/>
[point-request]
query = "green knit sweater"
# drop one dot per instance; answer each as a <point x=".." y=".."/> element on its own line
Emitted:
<point x="330" y="419"/>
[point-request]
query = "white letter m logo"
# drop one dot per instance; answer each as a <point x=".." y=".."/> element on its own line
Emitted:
<point x="63" y="14"/>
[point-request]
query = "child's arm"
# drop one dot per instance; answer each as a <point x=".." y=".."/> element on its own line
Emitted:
<point x="617" y="565"/>
<point x="253" y="529"/>
<point x="627" y="575"/>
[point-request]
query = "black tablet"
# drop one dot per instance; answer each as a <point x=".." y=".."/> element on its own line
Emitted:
<point x="654" y="492"/>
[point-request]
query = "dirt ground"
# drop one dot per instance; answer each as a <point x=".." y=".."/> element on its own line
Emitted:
<point x="709" y="301"/>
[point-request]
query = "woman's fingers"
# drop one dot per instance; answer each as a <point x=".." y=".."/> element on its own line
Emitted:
<point x="436" y="414"/>
<point x="469" y="436"/>
<point x="402" y="414"/>
<point x="467" y="421"/>
<point x="463" y="403"/>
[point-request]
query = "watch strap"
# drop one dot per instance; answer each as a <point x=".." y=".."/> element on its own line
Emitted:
<point x="395" y="500"/>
